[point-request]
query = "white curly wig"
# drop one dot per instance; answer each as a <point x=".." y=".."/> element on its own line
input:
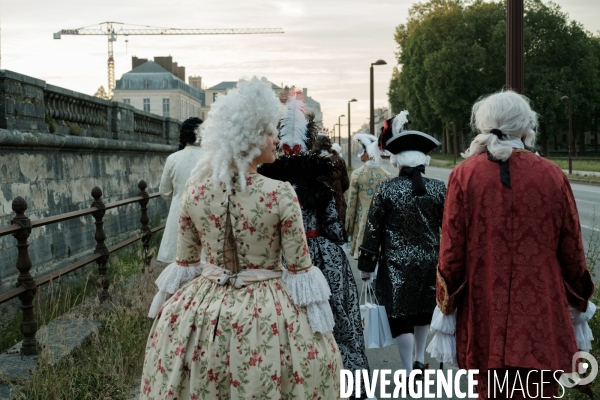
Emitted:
<point x="236" y="130"/>
<point x="507" y="111"/>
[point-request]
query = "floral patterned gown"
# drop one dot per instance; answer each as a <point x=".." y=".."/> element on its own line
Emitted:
<point x="212" y="341"/>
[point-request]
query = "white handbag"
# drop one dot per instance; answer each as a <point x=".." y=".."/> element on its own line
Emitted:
<point x="376" y="327"/>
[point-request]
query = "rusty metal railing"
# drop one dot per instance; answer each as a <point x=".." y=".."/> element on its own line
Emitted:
<point x="27" y="286"/>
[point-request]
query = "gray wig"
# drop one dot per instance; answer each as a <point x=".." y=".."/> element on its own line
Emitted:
<point x="507" y="111"/>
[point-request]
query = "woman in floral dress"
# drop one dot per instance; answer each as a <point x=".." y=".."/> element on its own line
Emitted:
<point x="241" y="327"/>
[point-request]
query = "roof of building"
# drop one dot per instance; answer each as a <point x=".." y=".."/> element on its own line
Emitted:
<point x="148" y="67"/>
<point x="151" y="76"/>
<point x="230" y="85"/>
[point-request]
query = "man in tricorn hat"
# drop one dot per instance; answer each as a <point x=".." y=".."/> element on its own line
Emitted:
<point x="403" y="235"/>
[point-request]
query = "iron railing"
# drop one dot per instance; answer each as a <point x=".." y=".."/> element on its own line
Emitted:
<point x="27" y="286"/>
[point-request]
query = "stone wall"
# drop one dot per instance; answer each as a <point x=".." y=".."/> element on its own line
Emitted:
<point x="55" y="146"/>
<point x="56" y="175"/>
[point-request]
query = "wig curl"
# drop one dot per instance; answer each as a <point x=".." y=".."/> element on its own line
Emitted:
<point x="236" y="130"/>
<point x="507" y="111"/>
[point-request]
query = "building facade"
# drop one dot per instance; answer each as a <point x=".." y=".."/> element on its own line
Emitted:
<point x="152" y="88"/>
<point x="223" y="87"/>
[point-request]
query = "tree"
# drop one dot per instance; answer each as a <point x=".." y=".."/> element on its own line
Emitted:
<point x="101" y="93"/>
<point x="451" y="52"/>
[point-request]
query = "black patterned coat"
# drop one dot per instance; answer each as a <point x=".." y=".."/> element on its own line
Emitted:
<point x="403" y="235"/>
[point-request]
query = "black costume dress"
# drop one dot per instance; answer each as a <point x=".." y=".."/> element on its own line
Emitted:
<point x="325" y="235"/>
<point x="403" y="235"/>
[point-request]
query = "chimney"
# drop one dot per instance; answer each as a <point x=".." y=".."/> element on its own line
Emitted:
<point x="304" y="92"/>
<point x="136" y="62"/>
<point x="181" y="73"/>
<point x="165" y="62"/>
<point x="195" y="81"/>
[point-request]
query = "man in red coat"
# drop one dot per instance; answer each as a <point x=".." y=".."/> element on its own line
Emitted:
<point x="511" y="254"/>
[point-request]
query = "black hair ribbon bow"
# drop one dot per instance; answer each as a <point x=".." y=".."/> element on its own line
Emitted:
<point x="414" y="173"/>
<point x="504" y="166"/>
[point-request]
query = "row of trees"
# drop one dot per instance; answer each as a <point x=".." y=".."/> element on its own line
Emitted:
<point x="451" y="52"/>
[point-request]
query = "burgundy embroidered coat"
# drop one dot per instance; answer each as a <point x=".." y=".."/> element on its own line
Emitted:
<point x="511" y="261"/>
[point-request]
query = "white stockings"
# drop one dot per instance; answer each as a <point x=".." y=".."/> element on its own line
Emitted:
<point x="408" y="342"/>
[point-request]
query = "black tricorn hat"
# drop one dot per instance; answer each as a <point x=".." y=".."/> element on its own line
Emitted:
<point x="396" y="139"/>
<point x="409" y="140"/>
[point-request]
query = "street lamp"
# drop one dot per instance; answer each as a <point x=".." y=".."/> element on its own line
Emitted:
<point x="455" y="145"/>
<point x="515" y="65"/>
<point x="372" y="123"/>
<point x="340" y="130"/>
<point x="349" y="138"/>
<point x="570" y="135"/>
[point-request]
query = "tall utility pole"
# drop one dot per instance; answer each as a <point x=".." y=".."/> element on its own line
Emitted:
<point x="455" y="141"/>
<point x="515" y="67"/>
<point x="570" y="136"/>
<point x="340" y="129"/>
<point x="349" y="138"/>
<point x="372" y="111"/>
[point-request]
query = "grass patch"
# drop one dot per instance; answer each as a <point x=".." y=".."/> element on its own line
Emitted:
<point x="579" y="165"/>
<point x="110" y="365"/>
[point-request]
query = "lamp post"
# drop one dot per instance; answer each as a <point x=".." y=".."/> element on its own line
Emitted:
<point x="349" y="138"/>
<point x="514" y="46"/>
<point x="372" y="123"/>
<point x="570" y="135"/>
<point x="455" y="144"/>
<point x="340" y="130"/>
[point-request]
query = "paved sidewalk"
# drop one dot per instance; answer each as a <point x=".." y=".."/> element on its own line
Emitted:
<point x="582" y="173"/>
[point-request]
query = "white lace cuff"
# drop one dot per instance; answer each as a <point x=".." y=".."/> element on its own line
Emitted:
<point x="443" y="348"/>
<point x="443" y="344"/>
<point x="310" y="290"/>
<point x="583" y="333"/>
<point x="443" y="323"/>
<point x="170" y="280"/>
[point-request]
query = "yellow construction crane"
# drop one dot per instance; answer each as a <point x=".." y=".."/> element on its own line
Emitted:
<point x="111" y="32"/>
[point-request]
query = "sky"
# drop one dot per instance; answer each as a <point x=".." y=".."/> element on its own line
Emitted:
<point x="327" y="46"/>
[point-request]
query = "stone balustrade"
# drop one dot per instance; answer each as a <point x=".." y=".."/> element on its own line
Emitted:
<point x="28" y="104"/>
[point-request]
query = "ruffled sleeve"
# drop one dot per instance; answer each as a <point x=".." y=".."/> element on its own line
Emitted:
<point x="443" y="345"/>
<point x="310" y="289"/>
<point x="583" y="333"/>
<point x="187" y="263"/>
<point x="306" y="284"/>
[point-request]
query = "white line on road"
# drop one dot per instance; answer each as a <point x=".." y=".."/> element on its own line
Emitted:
<point x="587" y="201"/>
<point x="590" y="228"/>
<point x="583" y="190"/>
